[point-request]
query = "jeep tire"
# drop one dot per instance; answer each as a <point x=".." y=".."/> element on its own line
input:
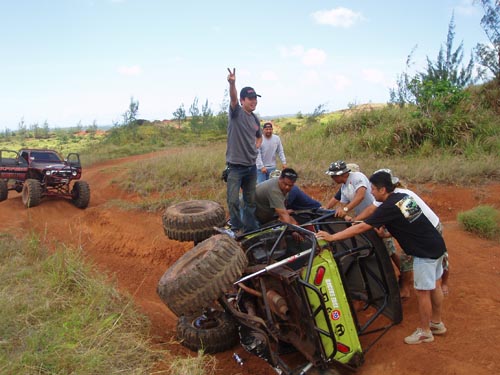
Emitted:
<point x="213" y="332"/>
<point x="32" y="193"/>
<point x="80" y="194"/>
<point x="193" y="220"/>
<point x="4" y="190"/>
<point x="201" y="275"/>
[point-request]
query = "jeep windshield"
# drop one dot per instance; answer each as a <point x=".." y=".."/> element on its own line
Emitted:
<point x="43" y="156"/>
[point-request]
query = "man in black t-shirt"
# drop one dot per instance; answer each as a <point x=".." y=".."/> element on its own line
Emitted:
<point x="403" y="218"/>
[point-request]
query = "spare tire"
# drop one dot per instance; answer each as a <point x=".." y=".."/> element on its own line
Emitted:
<point x="193" y="220"/>
<point x="202" y="275"/>
<point x="213" y="332"/>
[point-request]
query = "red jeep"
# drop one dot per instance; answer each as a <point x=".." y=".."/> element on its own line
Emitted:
<point x="42" y="173"/>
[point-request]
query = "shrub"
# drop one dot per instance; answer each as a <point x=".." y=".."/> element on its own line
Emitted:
<point x="482" y="220"/>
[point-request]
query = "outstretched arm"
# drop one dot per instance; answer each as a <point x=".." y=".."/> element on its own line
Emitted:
<point x="233" y="94"/>
<point x="345" y="234"/>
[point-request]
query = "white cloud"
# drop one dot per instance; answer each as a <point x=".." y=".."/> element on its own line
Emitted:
<point x="340" y="82"/>
<point x="310" y="77"/>
<point x="292" y="51"/>
<point x="314" y="56"/>
<point x="373" y="75"/>
<point x="269" y="75"/>
<point x="310" y="57"/>
<point x="133" y="70"/>
<point x="340" y="17"/>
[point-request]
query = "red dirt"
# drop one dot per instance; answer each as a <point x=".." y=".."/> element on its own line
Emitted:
<point x="132" y="247"/>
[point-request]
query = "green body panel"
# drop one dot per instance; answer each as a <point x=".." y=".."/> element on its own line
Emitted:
<point x="337" y="306"/>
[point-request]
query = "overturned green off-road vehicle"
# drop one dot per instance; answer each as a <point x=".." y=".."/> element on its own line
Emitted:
<point x="304" y="307"/>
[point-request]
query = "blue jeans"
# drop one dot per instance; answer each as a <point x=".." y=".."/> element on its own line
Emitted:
<point x="244" y="178"/>
<point x="261" y="177"/>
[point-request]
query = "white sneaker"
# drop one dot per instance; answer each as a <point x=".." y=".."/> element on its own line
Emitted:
<point x="419" y="336"/>
<point x="437" y="328"/>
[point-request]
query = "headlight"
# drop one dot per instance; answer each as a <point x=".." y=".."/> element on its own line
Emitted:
<point x="74" y="173"/>
<point x="47" y="172"/>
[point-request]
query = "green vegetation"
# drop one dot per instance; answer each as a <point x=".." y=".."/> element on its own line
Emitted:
<point x="199" y="365"/>
<point x="482" y="220"/>
<point x="60" y="317"/>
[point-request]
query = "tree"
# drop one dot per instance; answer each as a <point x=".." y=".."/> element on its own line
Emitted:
<point x="441" y="85"/>
<point x="206" y="115"/>
<point x="489" y="55"/>
<point x="318" y="111"/>
<point x="22" y="129"/>
<point x="195" y="120"/>
<point x="180" y="115"/>
<point x="131" y="114"/>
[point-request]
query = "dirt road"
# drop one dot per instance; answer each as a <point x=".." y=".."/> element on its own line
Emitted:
<point x="132" y="247"/>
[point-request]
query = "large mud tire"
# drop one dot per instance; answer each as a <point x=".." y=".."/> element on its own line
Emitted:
<point x="4" y="190"/>
<point x="193" y="220"/>
<point x="31" y="194"/>
<point x="213" y="332"/>
<point x="201" y="275"/>
<point x="80" y="194"/>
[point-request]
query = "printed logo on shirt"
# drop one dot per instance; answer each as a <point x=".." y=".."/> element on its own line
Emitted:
<point x="409" y="208"/>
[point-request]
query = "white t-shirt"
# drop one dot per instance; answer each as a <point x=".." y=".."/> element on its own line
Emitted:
<point x="349" y="188"/>
<point x="426" y="210"/>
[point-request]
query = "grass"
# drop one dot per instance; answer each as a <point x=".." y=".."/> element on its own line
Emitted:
<point x="60" y="317"/>
<point x="63" y="143"/>
<point x="482" y="220"/>
<point x="199" y="365"/>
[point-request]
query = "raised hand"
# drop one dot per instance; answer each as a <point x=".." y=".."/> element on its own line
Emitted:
<point x="231" y="77"/>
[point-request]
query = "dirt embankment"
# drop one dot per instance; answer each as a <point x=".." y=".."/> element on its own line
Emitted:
<point x="132" y="246"/>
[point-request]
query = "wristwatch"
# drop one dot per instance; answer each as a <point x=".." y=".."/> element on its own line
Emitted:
<point x="345" y="209"/>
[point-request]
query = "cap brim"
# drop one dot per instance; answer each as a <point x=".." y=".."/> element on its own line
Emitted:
<point x="338" y="173"/>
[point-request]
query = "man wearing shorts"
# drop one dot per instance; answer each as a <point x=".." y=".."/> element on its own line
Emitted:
<point x="403" y="217"/>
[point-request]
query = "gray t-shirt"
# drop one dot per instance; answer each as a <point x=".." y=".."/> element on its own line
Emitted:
<point x="242" y="131"/>
<point x="271" y="147"/>
<point x="268" y="197"/>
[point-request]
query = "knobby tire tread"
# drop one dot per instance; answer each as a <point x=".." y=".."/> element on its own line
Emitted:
<point x="193" y="220"/>
<point x="201" y="275"/>
<point x="31" y="193"/>
<point x="211" y="340"/>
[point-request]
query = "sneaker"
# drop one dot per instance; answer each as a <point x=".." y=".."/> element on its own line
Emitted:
<point x="437" y="328"/>
<point x="419" y="336"/>
<point x="229" y="232"/>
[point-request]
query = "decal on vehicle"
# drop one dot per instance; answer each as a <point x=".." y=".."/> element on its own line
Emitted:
<point x="340" y="330"/>
<point x="331" y="292"/>
<point x="335" y="315"/>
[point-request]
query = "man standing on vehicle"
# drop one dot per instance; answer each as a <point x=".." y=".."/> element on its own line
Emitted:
<point x="404" y="219"/>
<point x="243" y="139"/>
<point x="266" y="157"/>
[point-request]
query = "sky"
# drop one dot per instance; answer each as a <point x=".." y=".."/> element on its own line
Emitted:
<point x="70" y="62"/>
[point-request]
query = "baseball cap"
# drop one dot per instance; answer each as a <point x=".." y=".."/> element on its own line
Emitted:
<point x="394" y="179"/>
<point x="267" y="125"/>
<point x="248" y="92"/>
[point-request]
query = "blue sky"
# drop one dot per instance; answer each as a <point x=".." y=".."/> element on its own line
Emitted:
<point x="71" y="61"/>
